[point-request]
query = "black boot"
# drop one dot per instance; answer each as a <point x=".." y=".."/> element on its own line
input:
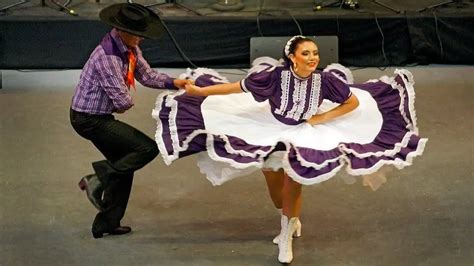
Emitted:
<point x="94" y="190"/>
<point x="120" y="230"/>
<point x="101" y="227"/>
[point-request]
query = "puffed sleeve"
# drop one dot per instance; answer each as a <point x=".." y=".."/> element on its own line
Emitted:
<point x="333" y="89"/>
<point x="261" y="82"/>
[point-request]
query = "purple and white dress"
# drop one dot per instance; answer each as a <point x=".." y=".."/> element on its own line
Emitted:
<point x="265" y="126"/>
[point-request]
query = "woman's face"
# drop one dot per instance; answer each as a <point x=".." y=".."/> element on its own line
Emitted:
<point x="305" y="58"/>
<point x="130" y="40"/>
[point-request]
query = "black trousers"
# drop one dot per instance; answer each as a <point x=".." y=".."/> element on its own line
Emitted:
<point x="126" y="150"/>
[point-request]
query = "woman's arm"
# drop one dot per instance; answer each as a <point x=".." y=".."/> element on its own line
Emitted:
<point x="219" y="89"/>
<point x="350" y="104"/>
<point x="181" y="83"/>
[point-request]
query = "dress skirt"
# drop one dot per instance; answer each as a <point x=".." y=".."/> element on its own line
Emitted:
<point x="236" y="135"/>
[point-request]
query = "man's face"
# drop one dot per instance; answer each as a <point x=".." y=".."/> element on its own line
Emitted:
<point x="129" y="39"/>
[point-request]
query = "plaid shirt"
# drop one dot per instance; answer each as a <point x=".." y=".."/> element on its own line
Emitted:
<point x="102" y="88"/>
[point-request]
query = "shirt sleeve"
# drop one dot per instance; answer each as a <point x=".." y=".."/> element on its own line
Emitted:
<point x="261" y="82"/>
<point x="112" y="81"/>
<point x="149" y="77"/>
<point x="334" y="89"/>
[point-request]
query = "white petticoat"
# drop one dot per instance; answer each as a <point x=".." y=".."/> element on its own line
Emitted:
<point x="241" y="116"/>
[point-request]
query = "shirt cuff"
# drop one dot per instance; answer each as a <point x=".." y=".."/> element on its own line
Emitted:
<point x="169" y="84"/>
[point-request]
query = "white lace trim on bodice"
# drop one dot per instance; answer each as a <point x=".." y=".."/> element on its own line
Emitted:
<point x="299" y="96"/>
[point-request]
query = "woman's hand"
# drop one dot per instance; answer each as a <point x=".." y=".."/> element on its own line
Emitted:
<point x="316" y="119"/>
<point x="181" y="83"/>
<point x="193" y="90"/>
<point x="350" y="104"/>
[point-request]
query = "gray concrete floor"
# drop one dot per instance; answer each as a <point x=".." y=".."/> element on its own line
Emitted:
<point x="422" y="216"/>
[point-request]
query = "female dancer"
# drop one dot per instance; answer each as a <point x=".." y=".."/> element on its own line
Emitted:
<point x="298" y="124"/>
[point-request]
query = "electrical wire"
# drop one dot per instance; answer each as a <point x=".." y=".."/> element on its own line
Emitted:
<point x="260" y="7"/>
<point x="296" y="22"/>
<point x="259" y="13"/>
<point x="383" y="41"/>
<point x="381" y="33"/>
<point x="438" y="35"/>
<point x="175" y="43"/>
<point x="187" y="58"/>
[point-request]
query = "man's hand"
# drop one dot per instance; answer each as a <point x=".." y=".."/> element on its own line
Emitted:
<point x="181" y="83"/>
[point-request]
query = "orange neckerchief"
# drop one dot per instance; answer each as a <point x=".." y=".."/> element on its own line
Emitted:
<point x="132" y="61"/>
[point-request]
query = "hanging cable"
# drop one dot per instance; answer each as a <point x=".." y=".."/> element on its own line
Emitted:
<point x="383" y="40"/>
<point x="175" y="43"/>
<point x="438" y="35"/>
<point x="296" y="22"/>
<point x="259" y="12"/>
<point x="260" y="8"/>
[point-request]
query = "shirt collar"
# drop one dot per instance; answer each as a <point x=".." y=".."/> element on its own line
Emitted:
<point x="121" y="45"/>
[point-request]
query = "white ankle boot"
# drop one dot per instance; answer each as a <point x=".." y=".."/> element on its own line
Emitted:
<point x="285" y="244"/>
<point x="283" y="223"/>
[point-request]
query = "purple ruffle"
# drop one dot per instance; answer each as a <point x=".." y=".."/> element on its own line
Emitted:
<point x="181" y="132"/>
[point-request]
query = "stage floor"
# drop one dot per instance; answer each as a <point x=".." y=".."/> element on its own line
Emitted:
<point x="422" y="216"/>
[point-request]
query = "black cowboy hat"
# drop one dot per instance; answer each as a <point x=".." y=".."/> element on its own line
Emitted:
<point x="134" y="19"/>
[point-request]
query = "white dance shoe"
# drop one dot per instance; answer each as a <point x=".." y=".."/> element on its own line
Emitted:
<point x="285" y="243"/>
<point x="284" y="222"/>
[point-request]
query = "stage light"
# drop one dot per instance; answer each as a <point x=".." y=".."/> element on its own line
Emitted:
<point x="228" y="5"/>
<point x="349" y="4"/>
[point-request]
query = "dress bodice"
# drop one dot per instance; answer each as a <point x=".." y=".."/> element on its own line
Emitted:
<point x="293" y="99"/>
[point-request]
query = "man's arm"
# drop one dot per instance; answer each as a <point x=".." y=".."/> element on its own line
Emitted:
<point x="151" y="78"/>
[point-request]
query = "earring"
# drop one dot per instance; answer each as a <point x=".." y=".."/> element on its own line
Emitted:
<point x="295" y="67"/>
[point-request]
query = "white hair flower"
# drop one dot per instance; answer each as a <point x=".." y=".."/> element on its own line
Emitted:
<point x="288" y="44"/>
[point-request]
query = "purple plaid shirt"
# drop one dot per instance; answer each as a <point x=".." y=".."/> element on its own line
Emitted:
<point x="102" y="88"/>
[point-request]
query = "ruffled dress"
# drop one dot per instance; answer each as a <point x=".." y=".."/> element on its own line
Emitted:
<point x="265" y="127"/>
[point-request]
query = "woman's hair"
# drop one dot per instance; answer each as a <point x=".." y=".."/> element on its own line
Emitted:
<point x="291" y="45"/>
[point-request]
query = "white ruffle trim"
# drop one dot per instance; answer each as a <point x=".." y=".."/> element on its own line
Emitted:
<point x="177" y="148"/>
<point x="263" y="63"/>
<point x="208" y="167"/>
<point x="408" y="80"/>
<point x="266" y="60"/>
<point x="313" y="165"/>
<point x="168" y="159"/>
<point x="310" y="181"/>
<point x="231" y="150"/>
<point x="194" y="74"/>
<point x="398" y="163"/>
<point x="396" y="148"/>
<point x="219" y="172"/>
<point x="349" y="79"/>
